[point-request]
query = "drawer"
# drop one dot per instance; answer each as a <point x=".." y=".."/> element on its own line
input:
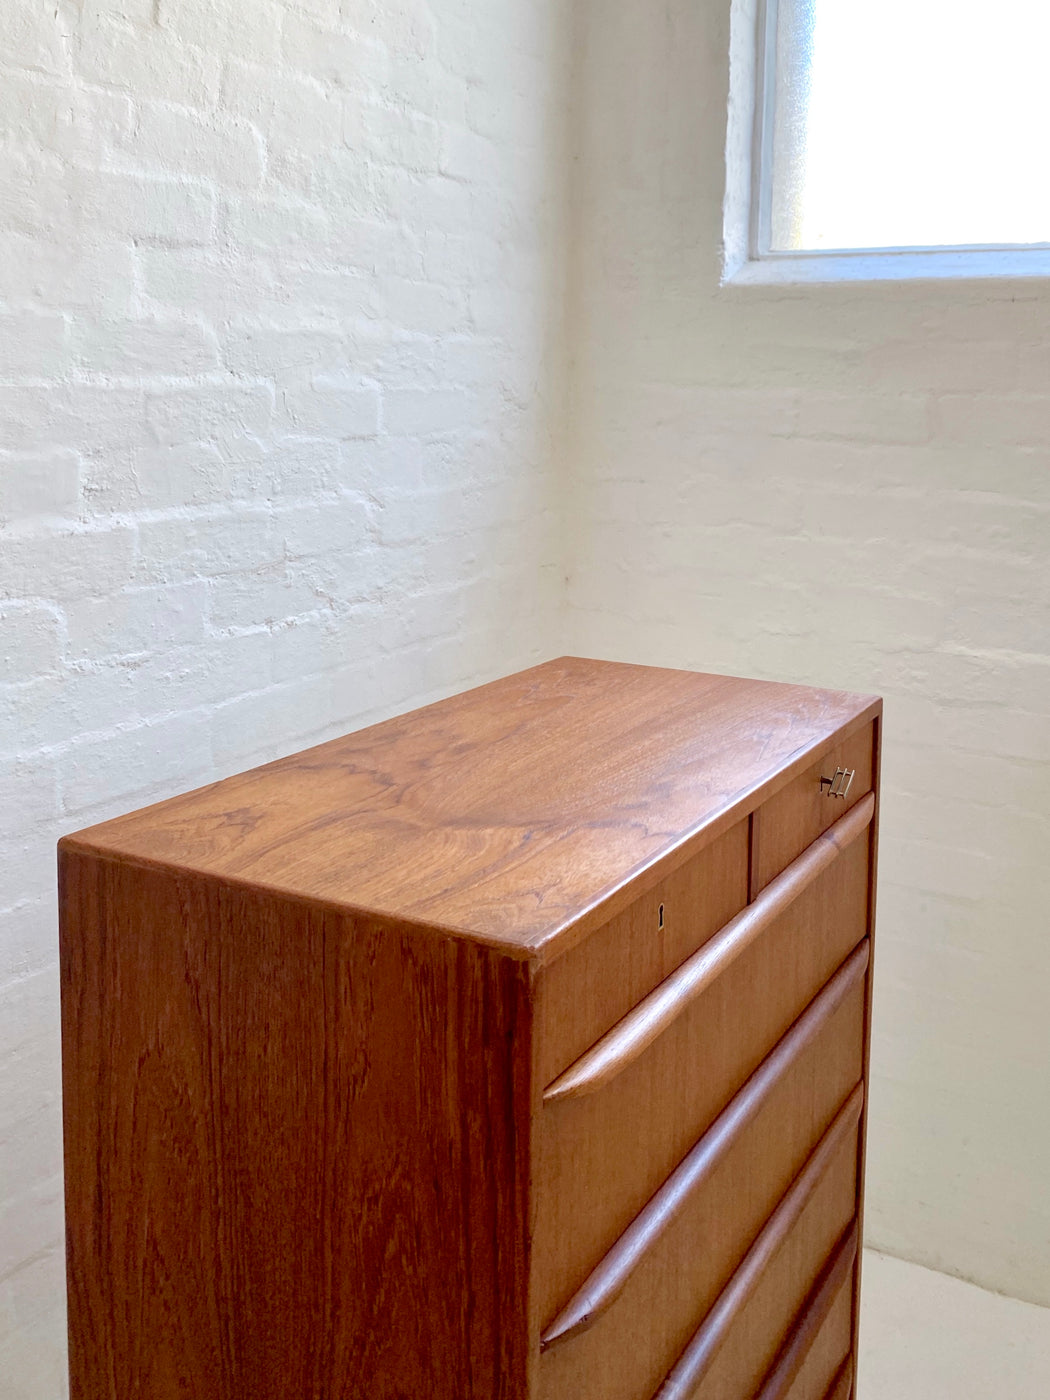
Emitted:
<point x="601" y="1154"/>
<point x="739" y="1339"/>
<point x="795" y="816"/>
<point x="669" y="1270"/>
<point x="587" y="989"/>
<point x="819" y="1343"/>
<point x="841" y="1387"/>
<point x="828" y="1355"/>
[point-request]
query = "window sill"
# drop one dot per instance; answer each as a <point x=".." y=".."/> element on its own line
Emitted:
<point x="896" y="266"/>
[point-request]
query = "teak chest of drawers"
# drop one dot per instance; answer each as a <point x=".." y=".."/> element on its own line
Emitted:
<point x="514" y="1049"/>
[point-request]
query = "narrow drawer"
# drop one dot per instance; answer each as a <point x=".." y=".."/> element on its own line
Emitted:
<point x="700" y="1227"/>
<point x="602" y="1153"/>
<point x="738" y="1341"/>
<point x="795" y="816"/>
<point x="820" y="1340"/>
<point x="586" y="990"/>
<point x="829" y="1353"/>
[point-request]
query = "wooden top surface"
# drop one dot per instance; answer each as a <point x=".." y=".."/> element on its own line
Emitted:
<point x="514" y="814"/>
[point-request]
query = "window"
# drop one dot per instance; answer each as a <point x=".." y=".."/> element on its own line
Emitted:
<point x="889" y="138"/>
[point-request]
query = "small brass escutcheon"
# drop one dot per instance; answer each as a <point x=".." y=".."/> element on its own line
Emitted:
<point x="839" y="785"/>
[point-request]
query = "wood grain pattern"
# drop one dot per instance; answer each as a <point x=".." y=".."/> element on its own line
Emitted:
<point x="288" y="1176"/>
<point x="828" y="1289"/>
<point x="523" y="813"/>
<point x="636" y="1031"/>
<point x="696" y="1361"/>
<point x="601" y="1157"/>
<point x="608" y="1280"/>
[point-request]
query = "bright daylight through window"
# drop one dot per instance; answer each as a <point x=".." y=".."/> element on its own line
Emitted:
<point x="902" y="124"/>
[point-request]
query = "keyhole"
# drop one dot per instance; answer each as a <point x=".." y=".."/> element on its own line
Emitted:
<point x="661" y="923"/>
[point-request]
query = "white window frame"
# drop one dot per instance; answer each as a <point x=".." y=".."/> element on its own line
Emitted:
<point x="747" y="258"/>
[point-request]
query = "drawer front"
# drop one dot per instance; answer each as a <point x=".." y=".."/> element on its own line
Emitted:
<point x="794" y="817"/>
<point x="821" y="1336"/>
<point x="829" y="1352"/>
<point x="601" y="1156"/>
<point x="739" y="1340"/>
<point x="586" y="990"/>
<point x="630" y="1346"/>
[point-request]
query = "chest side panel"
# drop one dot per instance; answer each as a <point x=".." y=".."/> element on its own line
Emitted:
<point x="296" y="1149"/>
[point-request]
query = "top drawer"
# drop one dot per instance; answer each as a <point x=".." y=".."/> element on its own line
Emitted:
<point x="794" y="817"/>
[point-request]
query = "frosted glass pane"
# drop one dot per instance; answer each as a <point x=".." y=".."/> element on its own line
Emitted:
<point x="910" y="123"/>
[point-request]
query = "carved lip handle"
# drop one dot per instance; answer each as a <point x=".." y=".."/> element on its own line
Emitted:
<point x="607" y="1281"/>
<point x="631" y="1035"/>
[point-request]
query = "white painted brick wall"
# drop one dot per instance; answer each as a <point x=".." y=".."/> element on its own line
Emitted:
<point x="281" y="366"/>
<point x="847" y="486"/>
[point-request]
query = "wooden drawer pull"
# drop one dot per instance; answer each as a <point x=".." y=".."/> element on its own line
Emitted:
<point x="695" y="1361"/>
<point x="811" y="1318"/>
<point x="842" y="1385"/>
<point x="637" y="1030"/>
<point x="606" y="1282"/>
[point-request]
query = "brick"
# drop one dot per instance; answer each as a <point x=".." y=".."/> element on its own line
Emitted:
<point x="305" y="467"/>
<point x="219" y="148"/>
<point x="39" y="34"/>
<point x="30" y="1151"/>
<point x="332" y="407"/>
<point x="30" y="641"/>
<point x="262" y="598"/>
<point x="198" y="282"/>
<point x="145" y="61"/>
<point x="136" y="620"/>
<point x="36" y="194"/>
<point x="272" y="225"/>
<point x="140" y="207"/>
<point x="219" y="414"/>
<point x="155" y="477"/>
<point x="289" y="716"/>
<point x="37" y="271"/>
<point x="133" y="765"/>
<point x="33" y="345"/>
<point x="40" y="1282"/>
<point x="333" y="57"/>
<point x="267" y="351"/>
<point x="393" y="136"/>
<point x="143" y="348"/>
<point x="323" y="527"/>
<point x="865" y="418"/>
<point x="335" y="293"/>
<point x="425" y="307"/>
<point x="32" y="1220"/>
<point x="30" y="1081"/>
<point x="1021" y="420"/>
<point x="43" y="713"/>
<point x="467" y="156"/>
<point x="64" y="563"/>
<point x="26" y="945"/>
<point x="185" y="547"/>
<point x="30" y="787"/>
<point x="411" y="413"/>
<point x="297" y="116"/>
<point x="39" y="484"/>
<point x="251" y="31"/>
